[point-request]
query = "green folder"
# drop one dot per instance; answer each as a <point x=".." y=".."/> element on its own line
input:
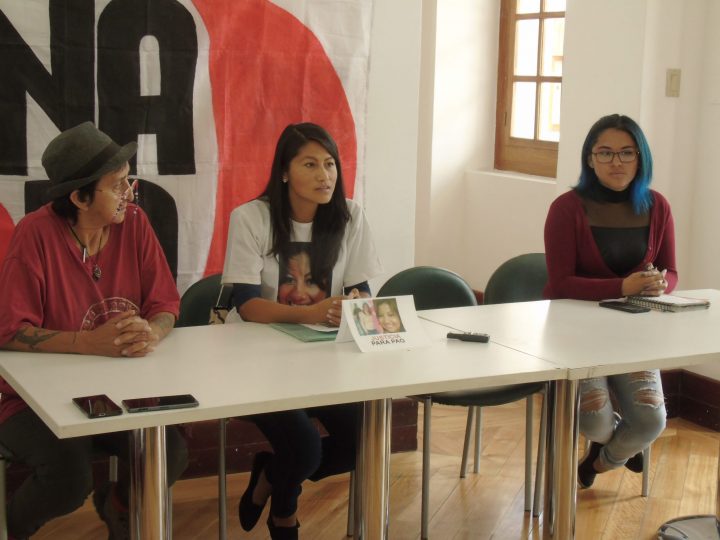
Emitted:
<point x="303" y="333"/>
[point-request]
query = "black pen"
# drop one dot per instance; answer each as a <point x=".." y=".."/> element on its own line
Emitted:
<point x="469" y="336"/>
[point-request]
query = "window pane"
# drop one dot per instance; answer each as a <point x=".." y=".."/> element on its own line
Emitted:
<point x="552" y="55"/>
<point x="526" y="46"/>
<point x="523" y="111"/>
<point x="554" y="5"/>
<point x="528" y="6"/>
<point x="549" y="121"/>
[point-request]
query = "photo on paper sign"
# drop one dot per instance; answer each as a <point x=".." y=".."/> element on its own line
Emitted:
<point x="381" y="323"/>
<point x="377" y="316"/>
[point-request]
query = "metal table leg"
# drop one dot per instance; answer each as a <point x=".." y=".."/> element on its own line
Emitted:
<point x="694" y="527"/>
<point x="148" y="485"/>
<point x="222" y="480"/>
<point x="561" y="455"/>
<point x="374" y="473"/>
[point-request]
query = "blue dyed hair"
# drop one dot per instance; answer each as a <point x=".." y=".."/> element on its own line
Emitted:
<point x="640" y="195"/>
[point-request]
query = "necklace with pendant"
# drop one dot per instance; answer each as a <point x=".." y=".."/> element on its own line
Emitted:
<point x="96" y="272"/>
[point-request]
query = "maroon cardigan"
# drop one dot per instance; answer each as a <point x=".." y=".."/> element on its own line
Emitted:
<point x="575" y="267"/>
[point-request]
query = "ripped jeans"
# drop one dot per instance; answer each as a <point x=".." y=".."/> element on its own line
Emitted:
<point x="641" y="406"/>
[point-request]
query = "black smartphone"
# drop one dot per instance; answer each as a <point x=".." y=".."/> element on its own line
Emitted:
<point x="97" y="406"/>
<point x="623" y="306"/>
<point x="160" y="403"/>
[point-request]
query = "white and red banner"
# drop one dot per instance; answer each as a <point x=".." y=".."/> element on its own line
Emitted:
<point x="204" y="86"/>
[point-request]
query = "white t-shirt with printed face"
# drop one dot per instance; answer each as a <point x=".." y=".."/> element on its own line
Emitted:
<point x="247" y="258"/>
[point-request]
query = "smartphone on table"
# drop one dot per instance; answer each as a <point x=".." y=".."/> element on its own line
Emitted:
<point x="160" y="403"/>
<point x="623" y="306"/>
<point x="97" y="406"/>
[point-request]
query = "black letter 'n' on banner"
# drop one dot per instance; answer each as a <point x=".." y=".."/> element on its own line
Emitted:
<point x="66" y="94"/>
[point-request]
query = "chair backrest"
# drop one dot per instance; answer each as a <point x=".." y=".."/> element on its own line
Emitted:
<point x="431" y="287"/>
<point x="199" y="299"/>
<point x="158" y="204"/>
<point x="519" y="279"/>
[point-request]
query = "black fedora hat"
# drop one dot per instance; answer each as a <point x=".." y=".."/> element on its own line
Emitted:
<point x="80" y="155"/>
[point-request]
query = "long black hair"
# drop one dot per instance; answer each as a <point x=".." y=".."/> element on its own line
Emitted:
<point x="330" y="220"/>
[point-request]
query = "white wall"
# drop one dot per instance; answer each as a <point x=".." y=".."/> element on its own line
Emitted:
<point x="616" y="56"/>
<point x="459" y="71"/>
<point x="392" y="132"/>
<point x="705" y="219"/>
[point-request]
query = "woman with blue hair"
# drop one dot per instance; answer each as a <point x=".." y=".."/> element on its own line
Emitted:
<point x="613" y="236"/>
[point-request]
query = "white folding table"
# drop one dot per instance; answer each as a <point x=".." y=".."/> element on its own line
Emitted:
<point x="241" y="369"/>
<point x="589" y="341"/>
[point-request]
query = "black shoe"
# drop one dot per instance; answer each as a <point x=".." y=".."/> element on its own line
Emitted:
<point x="586" y="470"/>
<point x="249" y="511"/>
<point x="282" y="533"/>
<point x="635" y="463"/>
<point x="117" y="521"/>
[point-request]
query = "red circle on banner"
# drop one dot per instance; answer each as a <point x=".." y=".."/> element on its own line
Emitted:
<point x="267" y="70"/>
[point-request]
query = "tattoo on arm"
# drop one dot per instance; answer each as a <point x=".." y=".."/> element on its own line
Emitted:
<point x="33" y="337"/>
<point x="165" y="322"/>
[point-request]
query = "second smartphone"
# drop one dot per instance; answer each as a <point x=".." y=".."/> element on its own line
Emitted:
<point x="160" y="403"/>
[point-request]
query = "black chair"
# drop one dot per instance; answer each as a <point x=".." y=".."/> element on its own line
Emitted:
<point x="434" y="288"/>
<point x="158" y="204"/>
<point x="200" y="298"/>
<point x="521" y="279"/>
<point x="195" y="307"/>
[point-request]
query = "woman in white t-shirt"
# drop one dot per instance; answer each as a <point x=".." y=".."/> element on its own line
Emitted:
<point x="293" y="255"/>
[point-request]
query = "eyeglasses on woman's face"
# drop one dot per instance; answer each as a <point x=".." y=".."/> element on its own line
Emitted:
<point x="625" y="156"/>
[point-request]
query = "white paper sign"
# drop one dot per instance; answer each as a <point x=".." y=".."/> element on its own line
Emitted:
<point x="382" y="324"/>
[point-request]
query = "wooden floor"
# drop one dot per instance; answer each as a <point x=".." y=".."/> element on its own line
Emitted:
<point x="683" y="481"/>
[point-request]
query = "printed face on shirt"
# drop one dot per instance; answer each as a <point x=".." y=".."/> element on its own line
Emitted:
<point x="311" y="180"/>
<point x="112" y="194"/>
<point x="389" y="317"/>
<point x="615" y="175"/>
<point x="297" y="286"/>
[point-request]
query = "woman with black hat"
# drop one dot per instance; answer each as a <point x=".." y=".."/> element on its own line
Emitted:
<point x="83" y="274"/>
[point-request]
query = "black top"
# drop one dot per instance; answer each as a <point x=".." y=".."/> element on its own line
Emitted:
<point x="620" y="234"/>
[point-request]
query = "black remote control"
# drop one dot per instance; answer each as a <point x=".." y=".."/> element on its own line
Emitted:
<point x="474" y="336"/>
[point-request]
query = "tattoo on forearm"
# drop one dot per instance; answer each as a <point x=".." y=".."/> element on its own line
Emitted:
<point x="164" y="321"/>
<point x="33" y="337"/>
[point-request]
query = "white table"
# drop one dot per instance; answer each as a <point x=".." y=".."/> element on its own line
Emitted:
<point x="241" y="369"/>
<point x="589" y="341"/>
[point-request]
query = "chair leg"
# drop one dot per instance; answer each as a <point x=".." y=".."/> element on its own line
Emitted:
<point x="222" y="480"/>
<point x="478" y="439"/>
<point x="646" y="472"/>
<point x="351" y="506"/>
<point x="3" y="511"/>
<point x="540" y="467"/>
<point x="645" y="490"/>
<point x="113" y="469"/>
<point x="528" y="452"/>
<point x="425" y="511"/>
<point x="466" y="443"/>
<point x="169" y="515"/>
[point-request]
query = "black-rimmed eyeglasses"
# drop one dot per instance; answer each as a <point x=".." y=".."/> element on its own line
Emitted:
<point x="625" y="156"/>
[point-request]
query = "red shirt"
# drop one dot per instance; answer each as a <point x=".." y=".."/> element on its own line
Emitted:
<point x="576" y="268"/>
<point x="44" y="282"/>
